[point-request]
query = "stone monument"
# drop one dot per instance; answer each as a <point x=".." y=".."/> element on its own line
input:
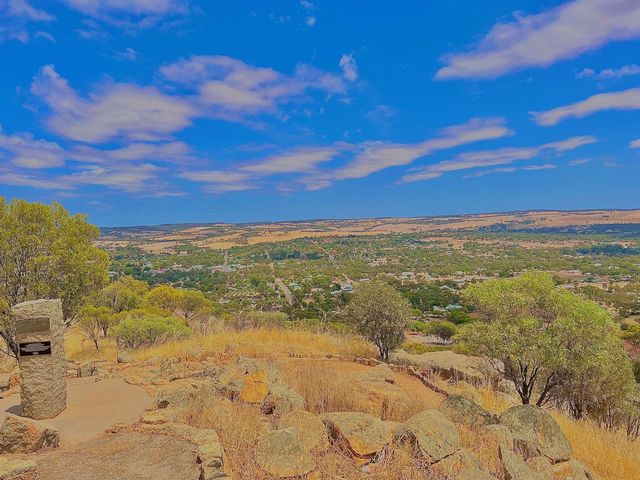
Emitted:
<point x="39" y="328"/>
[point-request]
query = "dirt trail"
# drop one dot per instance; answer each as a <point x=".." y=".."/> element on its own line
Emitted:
<point x="122" y="456"/>
<point x="92" y="407"/>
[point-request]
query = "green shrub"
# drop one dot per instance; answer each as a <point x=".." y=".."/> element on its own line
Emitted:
<point x="148" y="330"/>
<point x="419" y="326"/>
<point x="419" y="348"/>
<point x="459" y="316"/>
<point x="259" y="319"/>
<point x="444" y="330"/>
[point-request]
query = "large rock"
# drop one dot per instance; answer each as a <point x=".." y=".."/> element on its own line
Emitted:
<point x="515" y="468"/>
<point x="22" y="435"/>
<point x="541" y="465"/>
<point x="281" y="453"/>
<point x="43" y="387"/>
<point x="450" y="365"/>
<point x="536" y="433"/>
<point x="254" y="388"/>
<point x="462" y="410"/>
<point x="379" y="373"/>
<point x="310" y="429"/>
<point x="433" y="435"/>
<point x="363" y="434"/>
<point x="17" y="469"/>
<point x="281" y="399"/>
<point x="572" y="470"/>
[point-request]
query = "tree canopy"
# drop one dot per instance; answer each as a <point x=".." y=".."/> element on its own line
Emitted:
<point x="546" y="340"/>
<point x="45" y="252"/>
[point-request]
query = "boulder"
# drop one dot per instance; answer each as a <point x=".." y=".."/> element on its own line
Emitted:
<point x="434" y="436"/>
<point x="472" y="473"/>
<point x="536" y="433"/>
<point x="571" y="470"/>
<point x="14" y="378"/>
<point x="363" y="434"/>
<point x="17" y="469"/>
<point x="452" y="465"/>
<point x="281" y="453"/>
<point x="281" y="399"/>
<point x="541" y="465"/>
<point x="310" y="429"/>
<point x="461" y="410"/>
<point x="379" y="373"/>
<point x="125" y="357"/>
<point x="515" y="468"/>
<point x="178" y="394"/>
<point x="450" y="365"/>
<point x="254" y="388"/>
<point x="496" y="435"/>
<point x="23" y="435"/>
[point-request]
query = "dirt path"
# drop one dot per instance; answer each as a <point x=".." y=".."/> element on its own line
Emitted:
<point x="92" y="407"/>
<point x="122" y="456"/>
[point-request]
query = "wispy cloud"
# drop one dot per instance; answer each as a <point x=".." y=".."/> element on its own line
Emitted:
<point x="33" y="181"/>
<point x="543" y="39"/>
<point x="15" y="17"/>
<point x="130" y="14"/>
<point x="579" y="161"/>
<point x="530" y="168"/>
<point x="114" y="110"/>
<point x="489" y="158"/>
<point x="610" y="73"/>
<point x="635" y="144"/>
<point x="624" y="100"/>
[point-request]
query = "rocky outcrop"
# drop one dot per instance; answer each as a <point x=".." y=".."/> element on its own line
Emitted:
<point x="380" y="373"/>
<point x="281" y="453"/>
<point x="22" y="435"/>
<point x="535" y="432"/>
<point x="461" y="410"/>
<point x="310" y="429"/>
<point x="17" y="469"/>
<point x="434" y="436"/>
<point x="362" y="434"/>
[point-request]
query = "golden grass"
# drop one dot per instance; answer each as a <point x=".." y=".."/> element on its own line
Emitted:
<point x="335" y="386"/>
<point x="263" y="343"/>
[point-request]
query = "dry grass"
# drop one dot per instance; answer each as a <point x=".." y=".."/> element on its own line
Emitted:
<point x="263" y="343"/>
<point x="334" y="386"/>
<point x="78" y="348"/>
<point x="240" y="425"/>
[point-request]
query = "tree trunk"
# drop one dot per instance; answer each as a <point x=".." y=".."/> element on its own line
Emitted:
<point x="12" y="345"/>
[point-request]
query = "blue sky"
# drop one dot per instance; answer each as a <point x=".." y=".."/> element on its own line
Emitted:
<point x="167" y="111"/>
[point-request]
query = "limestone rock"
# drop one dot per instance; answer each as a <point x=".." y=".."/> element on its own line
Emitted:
<point x="23" y="435"/>
<point x="462" y="410"/>
<point x="496" y="435"/>
<point x="433" y="435"/>
<point x="17" y="469"/>
<point x="178" y="394"/>
<point x="515" y="468"/>
<point x="125" y="357"/>
<point x="454" y="464"/>
<point x="363" y="434"/>
<point x="281" y="453"/>
<point x="43" y="387"/>
<point x="536" y="432"/>
<point x="471" y="473"/>
<point x="310" y="429"/>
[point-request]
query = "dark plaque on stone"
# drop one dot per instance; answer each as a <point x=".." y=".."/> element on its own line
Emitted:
<point x="30" y="349"/>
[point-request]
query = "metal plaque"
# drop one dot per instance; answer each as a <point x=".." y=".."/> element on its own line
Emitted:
<point x="30" y="349"/>
<point x="32" y="325"/>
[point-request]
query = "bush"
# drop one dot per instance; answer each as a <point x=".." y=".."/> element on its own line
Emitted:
<point x="419" y="326"/>
<point x="148" y="330"/>
<point x="459" y="317"/>
<point x="258" y="319"/>
<point x="419" y="348"/>
<point x="444" y="330"/>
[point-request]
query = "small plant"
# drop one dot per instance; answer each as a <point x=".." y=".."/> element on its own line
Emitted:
<point x="443" y="330"/>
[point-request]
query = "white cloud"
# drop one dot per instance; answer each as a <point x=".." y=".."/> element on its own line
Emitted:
<point x="15" y="15"/>
<point x="310" y="21"/>
<point x="635" y="144"/>
<point x="533" y="168"/>
<point x="543" y="39"/>
<point x="232" y="87"/>
<point x="165" y="152"/>
<point x="116" y="110"/>
<point x="376" y="156"/>
<point x="610" y="73"/>
<point x="133" y="178"/>
<point x="489" y="158"/>
<point x="349" y="67"/>
<point x="23" y="150"/>
<point x="31" y="181"/>
<point x="297" y="160"/>
<point x="221" y="181"/>
<point x="624" y="100"/>
<point x="130" y="14"/>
